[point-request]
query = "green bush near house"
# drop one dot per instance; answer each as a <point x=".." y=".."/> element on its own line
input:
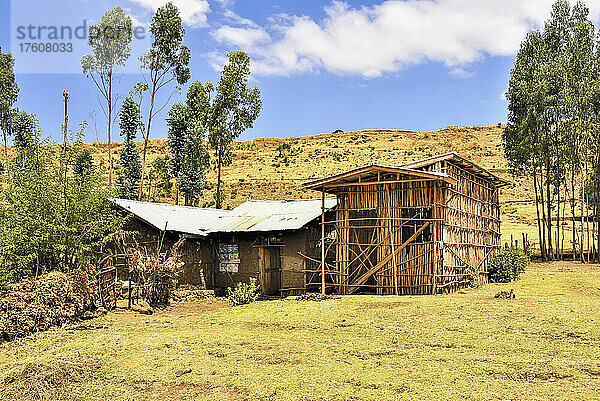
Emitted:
<point x="244" y="293"/>
<point x="507" y="265"/>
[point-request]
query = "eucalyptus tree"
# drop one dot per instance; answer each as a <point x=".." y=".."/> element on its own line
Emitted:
<point x="523" y="133"/>
<point x="166" y="62"/>
<point x="234" y="109"/>
<point x="129" y="157"/>
<point x="9" y="91"/>
<point x="189" y="158"/>
<point x="83" y="166"/>
<point x="25" y="129"/>
<point x="110" y="41"/>
<point x="580" y="91"/>
<point x="178" y="130"/>
<point x="553" y="109"/>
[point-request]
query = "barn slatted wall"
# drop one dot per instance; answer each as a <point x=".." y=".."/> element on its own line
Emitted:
<point x="471" y="228"/>
<point x="373" y="224"/>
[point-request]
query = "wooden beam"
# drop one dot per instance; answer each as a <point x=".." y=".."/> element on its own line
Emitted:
<point x="322" y="241"/>
<point x="361" y="183"/>
<point x="326" y="182"/>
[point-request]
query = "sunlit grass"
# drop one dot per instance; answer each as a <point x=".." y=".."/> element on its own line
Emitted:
<point x="545" y="344"/>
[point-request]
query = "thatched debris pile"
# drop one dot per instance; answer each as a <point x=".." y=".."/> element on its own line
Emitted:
<point x="56" y="380"/>
<point x="190" y="293"/>
<point x="156" y="272"/>
<point x="33" y="305"/>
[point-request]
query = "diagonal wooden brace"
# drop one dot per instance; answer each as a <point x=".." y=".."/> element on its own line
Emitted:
<point x="363" y="279"/>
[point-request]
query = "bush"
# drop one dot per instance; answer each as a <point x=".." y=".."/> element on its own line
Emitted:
<point x="54" y="215"/>
<point x="33" y="305"/>
<point x="244" y="293"/>
<point x="507" y="265"/>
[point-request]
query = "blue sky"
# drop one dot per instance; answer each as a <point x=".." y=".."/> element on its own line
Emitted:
<point x="321" y="66"/>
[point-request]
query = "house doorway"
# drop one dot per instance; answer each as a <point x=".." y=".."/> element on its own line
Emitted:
<point x="269" y="269"/>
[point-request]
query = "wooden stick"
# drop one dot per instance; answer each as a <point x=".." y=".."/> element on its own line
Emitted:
<point x="362" y="279"/>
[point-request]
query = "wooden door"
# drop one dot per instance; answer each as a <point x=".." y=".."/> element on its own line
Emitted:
<point x="269" y="263"/>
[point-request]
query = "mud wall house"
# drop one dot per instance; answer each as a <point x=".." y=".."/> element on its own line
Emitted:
<point x="268" y="240"/>
<point x="160" y="226"/>
<point x="425" y="227"/>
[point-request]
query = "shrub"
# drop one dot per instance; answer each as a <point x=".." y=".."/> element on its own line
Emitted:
<point x="33" y="305"/>
<point x="244" y="293"/>
<point x="507" y="265"/>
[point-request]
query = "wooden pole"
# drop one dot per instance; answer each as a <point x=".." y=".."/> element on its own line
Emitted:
<point x="66" y="101"/>
<point x="323" y="240"/>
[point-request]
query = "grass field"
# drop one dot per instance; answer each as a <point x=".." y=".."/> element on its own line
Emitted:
<point x="543" y="345"/>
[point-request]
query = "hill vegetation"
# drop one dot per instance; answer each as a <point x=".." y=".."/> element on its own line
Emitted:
<point x="275" y="168"/>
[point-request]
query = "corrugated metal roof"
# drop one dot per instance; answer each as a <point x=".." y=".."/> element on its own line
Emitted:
<point x="183" y="219"/>
<point x="251" y="216"/>
<point x="273" y="215"/>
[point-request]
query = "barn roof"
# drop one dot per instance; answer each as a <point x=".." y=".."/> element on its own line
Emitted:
<point x="251" y="216"/>
<point x="373" y="171"/>
<point x="461" y="162"/>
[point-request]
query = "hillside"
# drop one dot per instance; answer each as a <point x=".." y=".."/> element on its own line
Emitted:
<point x="261" y="171"/>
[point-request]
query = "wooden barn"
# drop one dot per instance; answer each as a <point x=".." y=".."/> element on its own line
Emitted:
<point x="270" y="240"/>
<point x="421" y="228"/>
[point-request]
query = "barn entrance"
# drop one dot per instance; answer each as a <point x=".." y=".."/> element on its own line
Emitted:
<point x="269" y="269"/>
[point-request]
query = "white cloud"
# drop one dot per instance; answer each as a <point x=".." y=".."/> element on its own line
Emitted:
<point x="193" y="12"/>
<point x="235" y="18"/>
<point x="384" y="38"/>
<point x="246" y="38"/>
<point x="461" y="73"/>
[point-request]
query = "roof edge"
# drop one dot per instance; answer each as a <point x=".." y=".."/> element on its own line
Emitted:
<point x="321" y="182"/>
<point x="499" y="181"/>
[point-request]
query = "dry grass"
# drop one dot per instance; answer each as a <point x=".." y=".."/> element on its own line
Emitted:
<point x="545" y="344"/>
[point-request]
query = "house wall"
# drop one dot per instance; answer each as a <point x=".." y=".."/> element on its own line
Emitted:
<point x="292" y="264"/>
<point x="200" y="256"/>
<point x="195" y="252"/>
<point x="248" y="266"/>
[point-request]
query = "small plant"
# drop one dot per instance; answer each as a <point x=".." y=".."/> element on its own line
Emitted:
<point x="244" y="293"/>
<point x="507" y="265"/>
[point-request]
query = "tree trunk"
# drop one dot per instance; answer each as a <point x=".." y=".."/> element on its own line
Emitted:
<point x="587" y="218"/>
<point x="539" y="222"/>
<point x="573" y="225"/>
<point x="544" y="222"/>
<point x="110" y="166"/>
<point x="5" y="145"/>
<point x="146" y="141"/>
<point x="582" y="221"/>
<point x="549" y="217"/>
